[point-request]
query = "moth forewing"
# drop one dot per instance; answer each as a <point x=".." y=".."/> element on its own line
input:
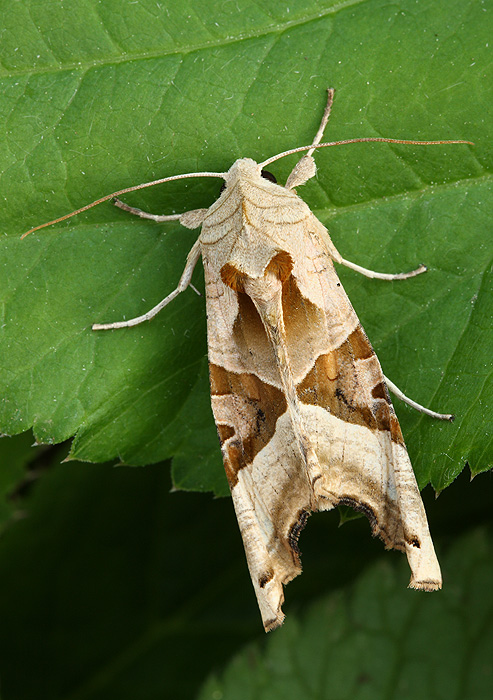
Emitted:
<point x="300" y="402"/>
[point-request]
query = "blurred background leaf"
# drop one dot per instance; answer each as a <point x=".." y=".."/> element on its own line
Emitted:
<point x="113" y="587"/>
<point x="380" y="640"/>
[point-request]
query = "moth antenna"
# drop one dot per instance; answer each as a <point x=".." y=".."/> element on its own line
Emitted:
<point x="323" y="123"/>
<point x="312" y="147"/>
<point x="120" y="192"/>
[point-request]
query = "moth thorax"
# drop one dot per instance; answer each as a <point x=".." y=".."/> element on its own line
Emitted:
<point x="242" y="168"/>
<point x="281" y="266"/>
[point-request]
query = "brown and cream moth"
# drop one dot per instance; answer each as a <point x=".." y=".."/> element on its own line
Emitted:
<point x="301" y="405"/>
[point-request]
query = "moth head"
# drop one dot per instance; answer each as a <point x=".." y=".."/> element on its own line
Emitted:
<point x="241" y="168"/>
<point x="246" y="168"/>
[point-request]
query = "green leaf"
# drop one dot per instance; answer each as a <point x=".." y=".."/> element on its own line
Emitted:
<point x="377" y="639"/>
<point x="98" y="96"/>
<point x="110" y="585"/>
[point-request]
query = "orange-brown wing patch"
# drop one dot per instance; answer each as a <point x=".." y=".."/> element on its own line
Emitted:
<point x="348" y="382"/>
<point x="246" y="411"/>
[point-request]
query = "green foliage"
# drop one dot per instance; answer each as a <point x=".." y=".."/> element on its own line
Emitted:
<point x="378" y="640"/>
<point x="111" y="587"/>
<point x="15" y="454"/>
<point x="195" y="102"/>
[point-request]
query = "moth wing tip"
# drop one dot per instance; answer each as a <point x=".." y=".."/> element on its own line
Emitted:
<point x="275" y="622"/>
<point x="427" y="585"/>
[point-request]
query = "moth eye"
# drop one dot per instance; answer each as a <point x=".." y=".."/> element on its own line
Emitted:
<point x="268" y="176"/>
<point x="223" y="187"/>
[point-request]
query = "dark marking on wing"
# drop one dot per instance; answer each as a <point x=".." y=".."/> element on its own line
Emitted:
<point x="380" y="391"/>
<point x="252" y="421"/>
<point x="265" y="578"/>
<point x="360" y="345"/>
<point x="294" y="534"/>
<point x="225" y="432"/>
<point x="381" y="523"/>
<point x="363" y="508"/>
<point x="339" y="380"/>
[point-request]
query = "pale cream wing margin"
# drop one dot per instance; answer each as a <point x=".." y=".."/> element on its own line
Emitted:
<point x="298" y="395"/>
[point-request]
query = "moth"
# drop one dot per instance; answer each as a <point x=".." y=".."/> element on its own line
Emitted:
<point x="301" y="404"/>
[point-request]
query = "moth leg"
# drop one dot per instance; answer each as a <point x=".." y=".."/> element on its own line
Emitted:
<point x="337" y="257"/>
<point x="305" y="168"/>
<point x="422" y="409"/>
<point x="383" y="275"/>
<point x="189" y="219"/>
<point x="184" y="282"/>
<point x="144" y="214"/>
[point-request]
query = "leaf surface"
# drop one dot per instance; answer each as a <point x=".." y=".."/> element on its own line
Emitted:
<point x="98" y="96"/>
